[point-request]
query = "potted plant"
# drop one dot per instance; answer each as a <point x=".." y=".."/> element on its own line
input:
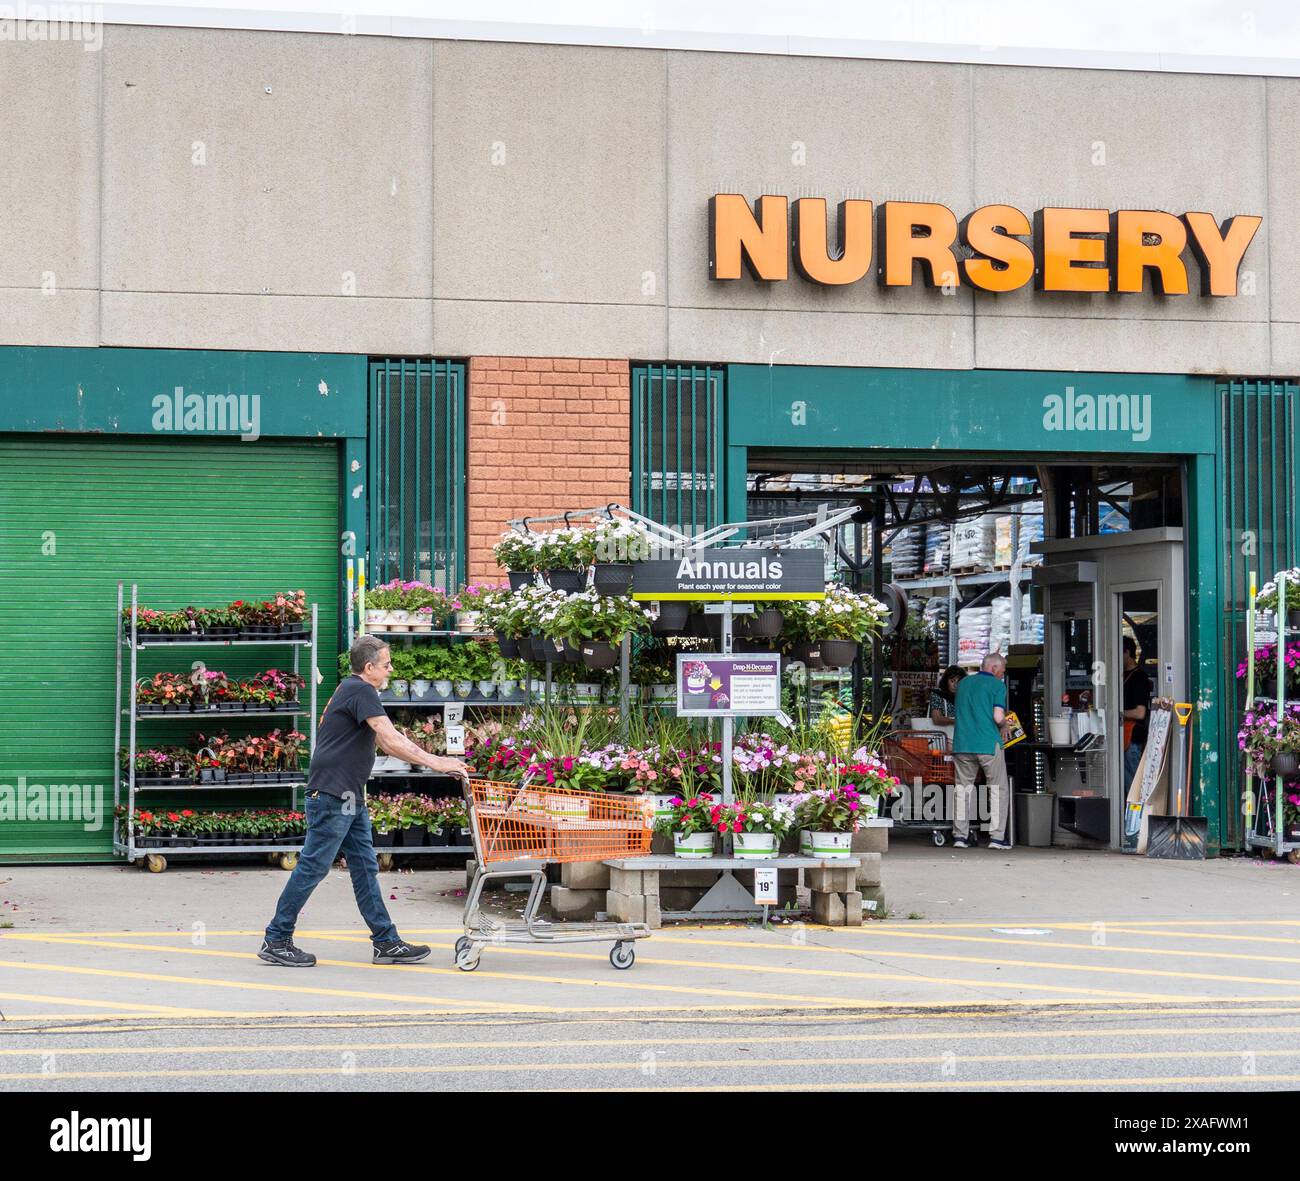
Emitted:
<point x="838" y="623"/>
<point x="829" y="816"/>
<point x="756" y="827"/>
<point x="518" y="554"/>
<point x="564" y="554"/>
<point x="690" y="823"/>
<point x="412" y="826"/>
<point x="669" y="617"/>
<point x="1267" y="599"/>
<point x="1271" y="746"/>
<point x="595" y="625"/>
<point x="405" y="669"/>
<point x="616" y="544"/>
<point x="476" y="606"/>
<point x="455" y="819"/>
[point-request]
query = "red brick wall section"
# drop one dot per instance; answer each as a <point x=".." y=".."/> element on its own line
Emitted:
<point x="546" y="434"/>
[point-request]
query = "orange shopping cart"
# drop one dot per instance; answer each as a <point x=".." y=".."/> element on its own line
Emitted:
<point x="516" y="829"/>
<point x="920" y="758"/>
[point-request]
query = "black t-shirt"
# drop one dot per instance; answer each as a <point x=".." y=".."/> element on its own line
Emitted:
<point x="345" y="742"/>
<point x="1137" y="691"/>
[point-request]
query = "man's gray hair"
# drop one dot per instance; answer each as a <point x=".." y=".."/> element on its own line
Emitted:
<point x="992" y="662"/>
<point x="365" y="650"/>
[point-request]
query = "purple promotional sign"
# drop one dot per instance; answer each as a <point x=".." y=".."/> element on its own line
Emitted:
<point x="719" y="686"/>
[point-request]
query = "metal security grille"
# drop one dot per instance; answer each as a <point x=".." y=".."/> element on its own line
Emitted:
<point x="677" y="444"/>
<point x="417" y="471"/>
<point x="1259" y="529"/>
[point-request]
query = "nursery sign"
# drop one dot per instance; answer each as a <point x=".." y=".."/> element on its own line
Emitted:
<point x="995" y="248"/>
<point x="732" y="574"/>
<point x="728" y="686"/>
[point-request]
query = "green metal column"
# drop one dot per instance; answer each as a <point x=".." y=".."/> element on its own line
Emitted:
<point x="1210" y="788"/>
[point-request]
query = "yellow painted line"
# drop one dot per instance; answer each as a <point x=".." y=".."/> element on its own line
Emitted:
<point x="134" y="1009"/>
<point x="1053" y="943"/>
<point x="1017" y="1084"/>
<point x="660" y="1063"/>
<point x="265" y="1047"/>
<point x="988" y="961"/>
<point x="207" y="982"/>
<point x="1294" y="942"/>
<point x="784" y="998"/>
<point x="777" y="998"/>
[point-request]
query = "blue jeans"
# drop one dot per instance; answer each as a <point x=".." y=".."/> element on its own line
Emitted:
<point x="331" y="831"/>
<point x="1132" y="756"/>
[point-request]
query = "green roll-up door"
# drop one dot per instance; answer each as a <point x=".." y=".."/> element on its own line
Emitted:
<point x="198" y="522"/>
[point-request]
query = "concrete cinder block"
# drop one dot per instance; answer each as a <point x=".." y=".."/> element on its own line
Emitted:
<point x="826" y="879"/>
<point x="627" y="881"/>
<point x="584" y="875"/>
<point x="869" y="871"/>
<point x="653" y="915"/>
<point x="626" y="908"/>
<point x="874" y="894"/>
<point x="828" y="908"/>
<point x="871" y="840"/>
<point x="576" y="904"/>
<point x="853" y="909"/>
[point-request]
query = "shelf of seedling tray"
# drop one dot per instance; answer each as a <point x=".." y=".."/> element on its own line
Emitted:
<point x="296" y="640"/>
<point x="437" y="635"/>
<point x="149" y="715"/>
<point x="401" y="850"/>
<point x="411" y="775"/>
<point x="190" y="786"/>
<point x="190" y="850"/>
<point x="439" y="702"/>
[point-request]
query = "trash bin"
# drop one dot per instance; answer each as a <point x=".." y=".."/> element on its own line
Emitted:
<point x="1033" y="819"/>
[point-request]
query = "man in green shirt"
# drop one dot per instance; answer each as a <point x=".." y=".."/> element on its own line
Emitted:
<point x="977" y="746"/>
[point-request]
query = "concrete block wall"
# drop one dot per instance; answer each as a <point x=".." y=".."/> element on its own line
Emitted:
<point x="243" y="189"/>
<point x="546" y="434"/>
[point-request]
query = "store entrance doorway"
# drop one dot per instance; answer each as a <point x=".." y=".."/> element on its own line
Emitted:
<point x="1050" y="564"/>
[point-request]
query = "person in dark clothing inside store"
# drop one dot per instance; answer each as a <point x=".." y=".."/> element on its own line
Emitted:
<point x="1137" y="705"/>
<point x="943" y="697"/>
<point x="337" y="818"/>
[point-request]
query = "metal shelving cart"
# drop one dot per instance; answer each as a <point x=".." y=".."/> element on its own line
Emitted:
<point x="1266" y="830"/>
<point x="124" y="841"/>
<point x="431" y="701"/>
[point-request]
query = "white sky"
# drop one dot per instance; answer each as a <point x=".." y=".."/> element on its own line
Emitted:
<point x="1268" y="29"/>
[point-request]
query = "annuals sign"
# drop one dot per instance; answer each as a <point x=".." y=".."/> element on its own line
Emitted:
<point x="732" y="574"/>
<point x="1064" y="249"/>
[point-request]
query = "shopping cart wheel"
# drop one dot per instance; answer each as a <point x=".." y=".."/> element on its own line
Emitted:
<point x="938" y="838"/>
<point x="622" y="955"/>
<point x="461" y="944"/>
<point x="467" y="959"/>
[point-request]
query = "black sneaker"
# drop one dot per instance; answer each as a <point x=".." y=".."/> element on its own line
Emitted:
<point x="401" y="953"/>
<point x="286" y="954"/>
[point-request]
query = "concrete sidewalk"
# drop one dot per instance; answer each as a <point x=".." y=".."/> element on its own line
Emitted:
<point x="1026" y="928"/>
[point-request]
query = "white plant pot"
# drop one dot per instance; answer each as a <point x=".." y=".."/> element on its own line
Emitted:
<point x="467" y="621"/>
<point x="421" y="623"/>
<point x="663" y="692"/>
<point x="486" y="688"/>
<point x="869" y="807"/>
<point x="831" y="846"/>
<point x="536" y="686"/>
<point x="805" y="842"/>
<point x="399" y="616"/>
<point x="464" y="688"/>
<point x="506" y="688"/>
<point x="755" y="845"/>
<point x="442" y="688"/>
<point x="694" y="846"/>
<point x="399" y="688"/>
<point x="376" y="619"/>
<point x="420" y="688"/>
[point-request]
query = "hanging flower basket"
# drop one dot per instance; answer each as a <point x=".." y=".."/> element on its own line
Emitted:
<point x="599" y="654"/>
<point x="673" y="616"/>
<point x="838" y="653"/>
<point x="569" y="581"/>
<point x="612" y="578"/>
<point x="520" y="579"/>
